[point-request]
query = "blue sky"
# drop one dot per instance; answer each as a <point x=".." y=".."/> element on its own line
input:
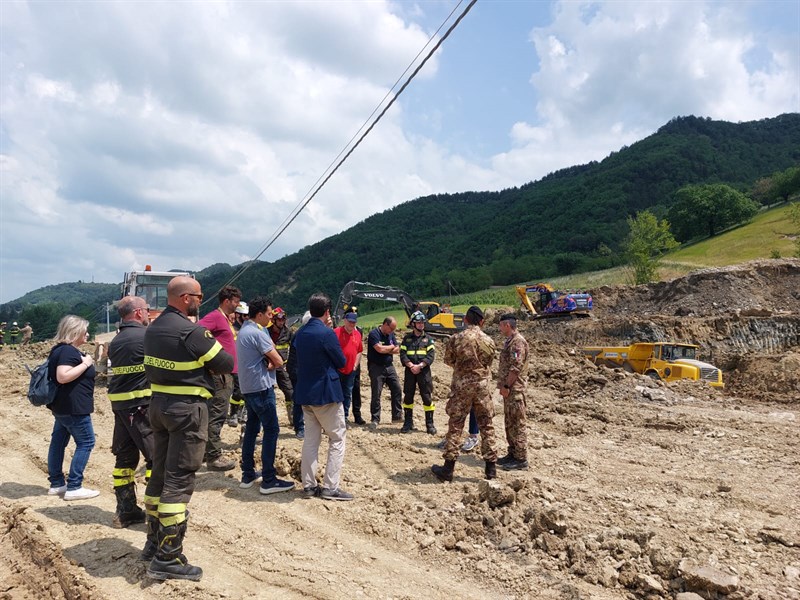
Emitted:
<point x="181" y="134"/>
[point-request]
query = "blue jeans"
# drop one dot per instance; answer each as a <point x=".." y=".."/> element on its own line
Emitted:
<point x="80" y="428"/>
<point x="473" y="423"/>
<point x="347" y="382"/>
<point x="261" y="411"/>
<point x="297" y="418"/>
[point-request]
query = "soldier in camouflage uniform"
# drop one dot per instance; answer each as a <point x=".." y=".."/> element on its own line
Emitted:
<point x="512" y="379"/>
<point x="470" y="353"/>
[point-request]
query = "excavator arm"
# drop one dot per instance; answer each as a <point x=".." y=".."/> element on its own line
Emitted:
<point x="365" y="290"/>
<point x="438" y="323"/>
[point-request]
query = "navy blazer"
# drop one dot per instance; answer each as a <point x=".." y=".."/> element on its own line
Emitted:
<point x="319" y="358"/>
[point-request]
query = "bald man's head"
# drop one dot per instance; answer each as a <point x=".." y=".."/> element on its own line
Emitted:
<point x="185" y="294"/>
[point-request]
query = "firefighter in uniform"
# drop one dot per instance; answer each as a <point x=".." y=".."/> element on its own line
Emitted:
<point x="129" y="392"/>
<point x="13" y="335"/>
<point x="281" y="338"/>
<point x="180" y="358"/>
<point x="471" y="354"/>
<point x="417" y="352"/>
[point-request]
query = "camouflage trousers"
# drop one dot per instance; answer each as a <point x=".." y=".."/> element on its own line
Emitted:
<point x="514" y="411"/>
<point x="464" y="398"/>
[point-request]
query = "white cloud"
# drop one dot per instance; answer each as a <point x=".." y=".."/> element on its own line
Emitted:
<point x="611" y="73"/>
<point x="181" y="135"/>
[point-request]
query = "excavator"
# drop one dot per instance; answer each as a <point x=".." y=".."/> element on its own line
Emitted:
<point x="438" y="322"/>
<point x="547" y="303"/>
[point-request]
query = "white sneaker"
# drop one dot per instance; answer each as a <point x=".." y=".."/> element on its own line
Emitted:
<point x="80" y="494"/>
<point x="57" y="491"/>
<point x="469" y="444"/>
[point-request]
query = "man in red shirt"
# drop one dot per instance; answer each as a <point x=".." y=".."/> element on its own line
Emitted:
<point x="219" y="324"/>
<point x="352" y="348"/>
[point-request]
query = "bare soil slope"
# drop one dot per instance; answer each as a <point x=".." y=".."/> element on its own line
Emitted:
<point x="636" y="489"/>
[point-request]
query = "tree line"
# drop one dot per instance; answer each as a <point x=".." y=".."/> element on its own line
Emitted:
<point x="695" y="174"/>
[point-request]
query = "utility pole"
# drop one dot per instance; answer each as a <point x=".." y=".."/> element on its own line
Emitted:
<point x="108" y="320"/>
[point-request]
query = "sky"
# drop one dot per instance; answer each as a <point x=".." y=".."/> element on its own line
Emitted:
<point x="182" y="134"/>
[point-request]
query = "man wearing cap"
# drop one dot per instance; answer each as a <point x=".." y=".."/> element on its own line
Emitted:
<point x="470" y="353"/>
<point x="512" y="380"/>
<point x="381" y="348"/>
<point x="281" y="337"/>
<point x="218" y="323"/>
<point x="352" y="348"/>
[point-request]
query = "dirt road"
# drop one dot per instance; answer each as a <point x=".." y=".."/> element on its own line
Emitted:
<point x="636" y="489"/>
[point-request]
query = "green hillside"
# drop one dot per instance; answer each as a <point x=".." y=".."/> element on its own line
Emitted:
<point x="566" y="228"/>
<point x="769" y="231"/>
<point x="569" y="222"/>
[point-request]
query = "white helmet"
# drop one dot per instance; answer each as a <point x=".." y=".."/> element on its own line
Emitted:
<point x="243" y="309"/>
<point x="14" y="323"/>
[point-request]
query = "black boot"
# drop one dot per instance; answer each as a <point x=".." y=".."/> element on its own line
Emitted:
<point x="169" y="561"/>
<point x="491" y="470"/>
<point x="127" y="512"/>
<point x="429" y="427"/>
<point x="408" y="425"/>
<point x="151" y="545"/>
<point x="444" y="472"/>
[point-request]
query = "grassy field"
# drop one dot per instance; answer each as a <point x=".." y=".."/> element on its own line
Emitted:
<point x="770" y="231"/>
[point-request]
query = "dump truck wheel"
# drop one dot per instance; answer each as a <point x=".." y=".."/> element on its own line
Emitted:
<point x="653" y="375"/>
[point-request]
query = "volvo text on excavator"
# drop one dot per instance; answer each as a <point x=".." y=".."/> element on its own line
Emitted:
<point x="438" y="321"/>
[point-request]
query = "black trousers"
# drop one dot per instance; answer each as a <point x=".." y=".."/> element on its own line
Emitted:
<point x="132" y="436"/>
<point x="217" y="413"/>
<point x="356" y="397"/>
<point x="180" y="431"/>
<point x="284" y="384"/>
<point x="422" y="380"/>
<point x="380" y="375"/>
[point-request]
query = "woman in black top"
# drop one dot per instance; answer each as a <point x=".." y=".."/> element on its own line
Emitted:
<point x="72" y="409"/>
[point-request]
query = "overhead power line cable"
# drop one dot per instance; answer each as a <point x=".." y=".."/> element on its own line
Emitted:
<point x="345" y="153"/>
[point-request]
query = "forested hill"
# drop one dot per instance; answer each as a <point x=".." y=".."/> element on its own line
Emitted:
<point x="569" y="221"/>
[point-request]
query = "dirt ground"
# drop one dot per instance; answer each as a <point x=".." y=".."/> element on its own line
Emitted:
<point x="636" y="489"/>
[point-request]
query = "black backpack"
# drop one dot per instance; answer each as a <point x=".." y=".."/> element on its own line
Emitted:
<point x="42" y="390"/>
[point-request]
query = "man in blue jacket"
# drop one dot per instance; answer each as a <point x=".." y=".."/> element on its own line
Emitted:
<point x="318" y="391"/>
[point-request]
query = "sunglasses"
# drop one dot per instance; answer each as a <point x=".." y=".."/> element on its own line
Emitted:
<point x="200" y="296"/>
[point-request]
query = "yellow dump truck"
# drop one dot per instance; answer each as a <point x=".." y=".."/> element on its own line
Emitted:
<point x="660" y="360"/>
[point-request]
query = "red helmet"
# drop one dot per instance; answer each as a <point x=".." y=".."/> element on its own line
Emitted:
<point x="278" y="313"/>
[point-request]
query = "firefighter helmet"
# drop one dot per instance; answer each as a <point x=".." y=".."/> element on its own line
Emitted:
<point x="417" y="317"/>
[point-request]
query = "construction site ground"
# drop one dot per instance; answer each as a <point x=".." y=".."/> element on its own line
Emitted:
<point x="636" y="488"/>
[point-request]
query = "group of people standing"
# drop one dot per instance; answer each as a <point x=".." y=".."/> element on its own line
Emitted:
<point x="175" y="380"/>
<point x="13" y="332"/>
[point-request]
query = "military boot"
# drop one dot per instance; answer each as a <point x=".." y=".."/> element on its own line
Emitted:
<point x="151" y="544"/>
<point x="169" y="561"/>
<point x="429" y="427"/>
<point x="127" y="512"/>
<point x="408" y="425"/>
<point x="491" y="470"/>
<point x="444" y="472"/>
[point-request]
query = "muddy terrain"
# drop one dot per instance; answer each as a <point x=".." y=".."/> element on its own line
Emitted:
<point x="637" y="489"/>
